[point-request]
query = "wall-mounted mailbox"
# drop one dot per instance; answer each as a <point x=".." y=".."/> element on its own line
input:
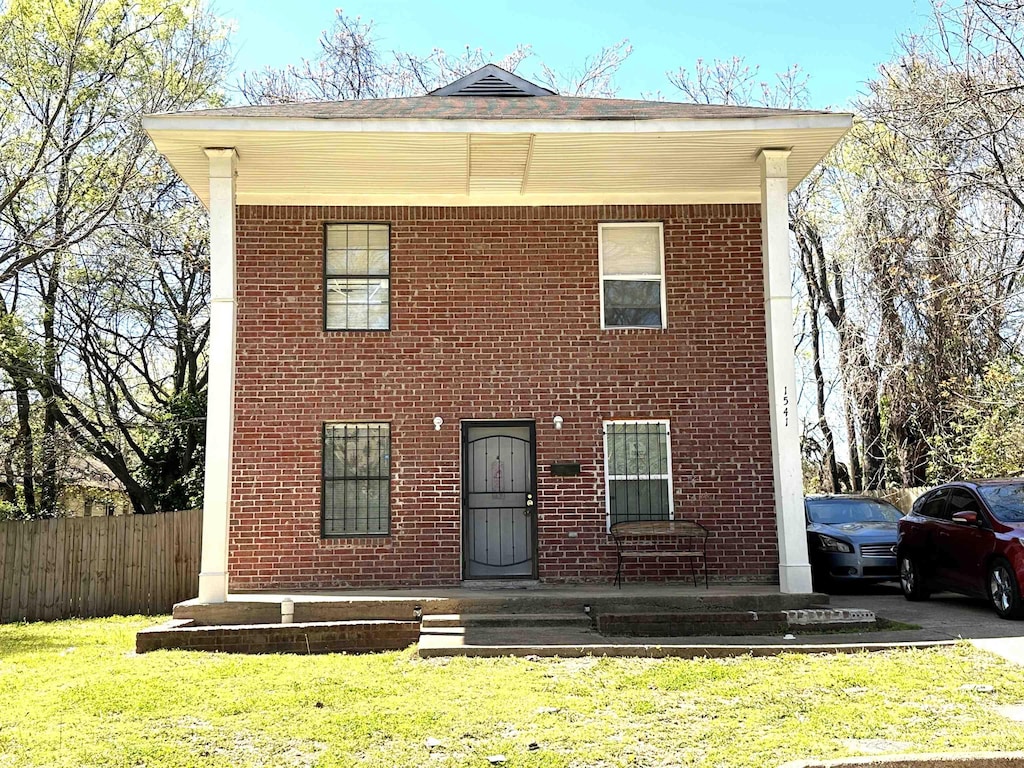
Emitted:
<point x="565" y="469"/>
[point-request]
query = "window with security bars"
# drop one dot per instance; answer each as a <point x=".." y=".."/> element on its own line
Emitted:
<point x="632" y="259"/>
<point x="357" y="479"/>
<point x="357" y="272"/>
<point x="638" y="471"/>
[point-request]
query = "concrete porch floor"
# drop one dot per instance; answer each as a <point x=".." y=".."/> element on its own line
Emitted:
<point x="505" y="597"/>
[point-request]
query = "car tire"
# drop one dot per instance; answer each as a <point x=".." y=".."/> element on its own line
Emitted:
<point x="1003" y="590"/>
<point x="911" y="582"/>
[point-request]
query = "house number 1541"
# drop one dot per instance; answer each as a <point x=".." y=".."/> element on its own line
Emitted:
<point x="785" y="404"/>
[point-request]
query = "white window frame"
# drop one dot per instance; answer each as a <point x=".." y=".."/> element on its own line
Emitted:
<point x="601" y="227"/>
<point x="608" y="477"/>
<point x="324" y="480"/>
<point x="328" y="276"/>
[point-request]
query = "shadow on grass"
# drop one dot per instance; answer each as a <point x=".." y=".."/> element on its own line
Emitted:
<point x="11" y="642"/>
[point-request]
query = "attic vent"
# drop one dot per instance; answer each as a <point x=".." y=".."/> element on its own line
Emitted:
<point x="490" y="86"/>
<point x="491" y="80"/>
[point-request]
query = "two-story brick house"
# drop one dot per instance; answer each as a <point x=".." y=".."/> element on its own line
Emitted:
<point x="455" y="336"/>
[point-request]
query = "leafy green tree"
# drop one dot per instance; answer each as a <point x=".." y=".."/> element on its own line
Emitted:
<point x="79" y="180"/>
<point x="985" y="433"/>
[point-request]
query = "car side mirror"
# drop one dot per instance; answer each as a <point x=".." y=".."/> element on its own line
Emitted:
<point x="966" y="517"/>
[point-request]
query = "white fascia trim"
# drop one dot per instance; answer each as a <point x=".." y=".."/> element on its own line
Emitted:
<point x="199" y="123"/>
<point x="698" y="197"/>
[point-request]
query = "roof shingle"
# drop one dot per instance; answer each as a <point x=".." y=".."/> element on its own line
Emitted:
<point x="498" y="108"/>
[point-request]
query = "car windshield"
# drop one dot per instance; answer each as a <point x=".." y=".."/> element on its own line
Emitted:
<point x="1005" y="502"/>
<point x="841" y="511"/>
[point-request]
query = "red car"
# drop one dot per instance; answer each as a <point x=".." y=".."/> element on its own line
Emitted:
<point x="967" y="538"/>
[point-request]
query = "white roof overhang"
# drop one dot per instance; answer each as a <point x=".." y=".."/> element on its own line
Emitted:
<point x="311" y="161"/>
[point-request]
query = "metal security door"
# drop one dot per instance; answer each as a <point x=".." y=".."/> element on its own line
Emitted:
<point x="499" y="500"/>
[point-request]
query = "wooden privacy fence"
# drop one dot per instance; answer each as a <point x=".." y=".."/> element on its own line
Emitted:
<point x="903" y="498"/>
<point x="98" y="566"/>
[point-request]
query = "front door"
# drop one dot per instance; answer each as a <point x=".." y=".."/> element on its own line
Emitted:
<point x="499" y="492"/>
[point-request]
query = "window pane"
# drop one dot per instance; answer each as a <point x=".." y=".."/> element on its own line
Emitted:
<point x="357" y="473"/>
<point x="936" y="506"/>
<point x="638" y="450"/>
<point x="378" y="317"/>
<point x="377" y="237"/>
<point x="378" y="263"/>
<point x="357" y="316"/>
<point x="349" y="302"/>
<point x="1006" y="502"/>
<point x="337" y="237"/>
<point x="337" y="261"/>
<point x="638" y="500"/>
<point x="358" y="236"/>
<point x="631" y="250"/>
<point x="632" y="303"/>
<point x="961" y="500"/>
<point x="357" y="262"/>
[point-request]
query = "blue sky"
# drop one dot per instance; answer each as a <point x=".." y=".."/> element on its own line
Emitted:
<point x="838" y="44"/>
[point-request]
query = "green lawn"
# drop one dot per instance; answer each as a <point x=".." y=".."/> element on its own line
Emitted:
<point x="74" y="694"/>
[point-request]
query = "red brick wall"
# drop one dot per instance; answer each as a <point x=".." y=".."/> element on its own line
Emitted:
<point x="495" y="314"/>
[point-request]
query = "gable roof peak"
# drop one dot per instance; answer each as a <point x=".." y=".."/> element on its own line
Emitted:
<point x="491" y="80"/>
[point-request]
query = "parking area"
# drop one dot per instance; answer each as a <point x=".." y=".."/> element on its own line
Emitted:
<point x="946" y="616"/>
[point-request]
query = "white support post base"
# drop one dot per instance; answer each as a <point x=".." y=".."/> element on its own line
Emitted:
<point x="794" y="569"/>
<point x="213" y="587"/>
<point x="213" y="575"/>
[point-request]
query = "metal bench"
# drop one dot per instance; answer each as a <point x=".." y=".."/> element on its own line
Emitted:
<point x="632" y="537"/>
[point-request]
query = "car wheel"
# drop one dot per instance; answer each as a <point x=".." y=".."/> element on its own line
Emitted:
<point x="910" y="579"/>
<point x="1003" y="590"/>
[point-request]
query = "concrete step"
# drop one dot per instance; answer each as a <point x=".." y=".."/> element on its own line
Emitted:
<point x="693" y="623"/>
<point x="539" y="643"/>
<point x="506" y="620"/>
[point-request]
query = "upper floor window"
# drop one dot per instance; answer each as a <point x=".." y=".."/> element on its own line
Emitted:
<point x="357" y="271"/>
<point x="632" y="257"/>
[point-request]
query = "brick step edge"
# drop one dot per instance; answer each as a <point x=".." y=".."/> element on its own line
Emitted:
<point x="302" y="637"/>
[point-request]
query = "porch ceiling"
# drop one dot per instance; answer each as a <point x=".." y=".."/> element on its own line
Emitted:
<point x="506" y="162"/>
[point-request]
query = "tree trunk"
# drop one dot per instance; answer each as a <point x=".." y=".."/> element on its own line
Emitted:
<point x="26" y="445"/>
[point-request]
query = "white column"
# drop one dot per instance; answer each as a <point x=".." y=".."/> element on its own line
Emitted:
<point x="213" y="574"/>
<point x="794" y="570"/>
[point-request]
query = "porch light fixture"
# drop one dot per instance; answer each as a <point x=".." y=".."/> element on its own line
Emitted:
<point x="438" y="421"/>
<point x="558" y="422"/>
